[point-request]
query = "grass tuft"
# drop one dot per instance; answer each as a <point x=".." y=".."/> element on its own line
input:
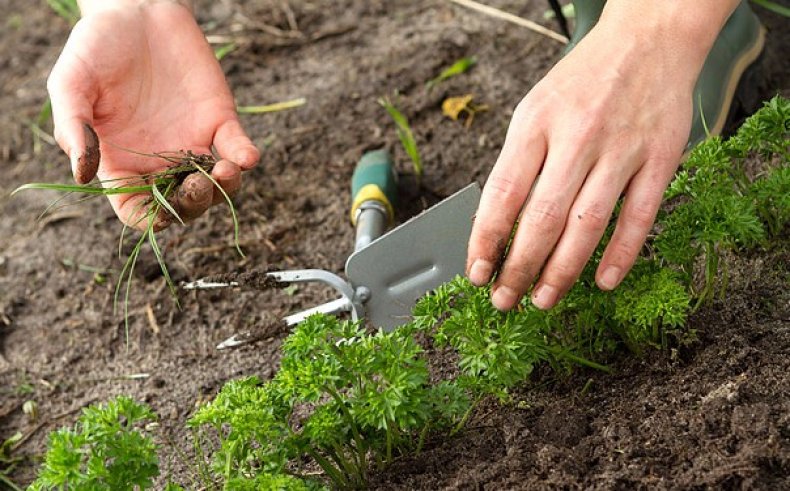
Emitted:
<point x="163" y="185"/>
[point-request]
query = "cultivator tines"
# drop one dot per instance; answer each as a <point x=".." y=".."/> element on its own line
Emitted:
<point x="387" y="273"/>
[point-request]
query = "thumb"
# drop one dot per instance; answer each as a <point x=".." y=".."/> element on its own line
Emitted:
<point x="233" y="144"/>
<point x="72" y="92"/>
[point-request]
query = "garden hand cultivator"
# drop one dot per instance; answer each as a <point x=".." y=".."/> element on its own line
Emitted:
<point x="387" y="272"/>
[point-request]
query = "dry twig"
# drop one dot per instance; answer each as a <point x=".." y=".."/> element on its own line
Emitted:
<point x="506" y="16"/>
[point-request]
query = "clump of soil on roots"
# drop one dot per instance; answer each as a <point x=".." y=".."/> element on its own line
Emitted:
<point x="255" y="280"/>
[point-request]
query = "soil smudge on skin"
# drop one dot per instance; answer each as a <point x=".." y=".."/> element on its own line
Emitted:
<point x="88" y="162"/>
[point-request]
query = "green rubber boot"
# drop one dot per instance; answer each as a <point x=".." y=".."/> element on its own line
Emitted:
<point x="728" y="82"/>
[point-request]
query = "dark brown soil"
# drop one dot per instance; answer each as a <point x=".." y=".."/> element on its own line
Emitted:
<point x="715" y="415"/>
<point x="256" y="280"/>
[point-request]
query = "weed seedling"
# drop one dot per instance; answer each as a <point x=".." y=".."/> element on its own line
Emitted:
<point x="461" y="66"/>
<point x="162" y="187"/>
<point x="405" y="134"/>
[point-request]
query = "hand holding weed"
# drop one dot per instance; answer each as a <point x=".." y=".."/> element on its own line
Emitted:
<point x="142" y="75"/>
<point x="612" y="117"/>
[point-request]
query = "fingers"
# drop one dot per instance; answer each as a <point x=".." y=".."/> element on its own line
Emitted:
<point x="503" y="196"/>
<point x="193" y="197"/>
<point x="132" y="210"/>
<point x="233" y="144"/>
<point x="587" y="221"/>
<point x="638" y="213"/>
<point x="228" y="176"/>
<point x="72" y="92"/>
<point x="540" y="225"/>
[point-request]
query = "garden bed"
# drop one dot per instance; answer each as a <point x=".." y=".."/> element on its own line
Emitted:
<point x="714" y="414"/>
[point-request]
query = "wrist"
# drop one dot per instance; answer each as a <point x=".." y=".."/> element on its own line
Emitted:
<point x="687" y="28"/>
<point x="88" y="7"/>
<point x="668" y="39"/>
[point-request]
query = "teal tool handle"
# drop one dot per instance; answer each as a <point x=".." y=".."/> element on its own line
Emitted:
<point x="374" y="179"/>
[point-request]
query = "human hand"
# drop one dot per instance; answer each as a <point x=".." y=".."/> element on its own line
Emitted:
<point x="143" y="76"/>
<point x="612" y="117"/>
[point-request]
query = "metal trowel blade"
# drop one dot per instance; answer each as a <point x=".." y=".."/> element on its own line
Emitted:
<point x="414" y="258"/>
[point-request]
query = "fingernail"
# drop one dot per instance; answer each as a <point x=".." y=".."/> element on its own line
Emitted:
<point x="480" y="272"/>
<point x="610" y="278"/>
<point x="544" y="297"/>
<point x="504" y="298"/>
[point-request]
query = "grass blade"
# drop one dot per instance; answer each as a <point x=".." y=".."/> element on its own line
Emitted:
<point x="160" y="198"/>
<point x="160" y="259"/>
<point x="230" y="205"/>
<point x="124" y="271"/>
<point x="272" y="108"/>
<point x="773" y="7"/>
<point x="133" y="262"/>
<point x="457" y="68"/>
<point x="86" y="189"/>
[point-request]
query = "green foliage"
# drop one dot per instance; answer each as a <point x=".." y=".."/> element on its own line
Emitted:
<point x="340" y="395"/>
<point x="495" y="349"/>
<point x="107" y="449"/>
<point x="652" y="302"/>
<point x="716" y="207"/>
<point x="771" y="195"/>
<point x="272" y="482"/>
<point x="251" y="419"/>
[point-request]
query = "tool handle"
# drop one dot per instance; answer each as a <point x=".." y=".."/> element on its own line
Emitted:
<point x="374" y="179"/>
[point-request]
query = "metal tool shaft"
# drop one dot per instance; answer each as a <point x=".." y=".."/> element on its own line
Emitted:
<point x="371" y="222"/>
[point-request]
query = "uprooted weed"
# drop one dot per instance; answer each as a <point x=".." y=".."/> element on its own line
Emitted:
<point x="162" y="186"/>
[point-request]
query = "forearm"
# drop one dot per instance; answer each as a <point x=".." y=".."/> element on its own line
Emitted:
<point x="90" y="6"/>
<point x="674" y="35"/>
